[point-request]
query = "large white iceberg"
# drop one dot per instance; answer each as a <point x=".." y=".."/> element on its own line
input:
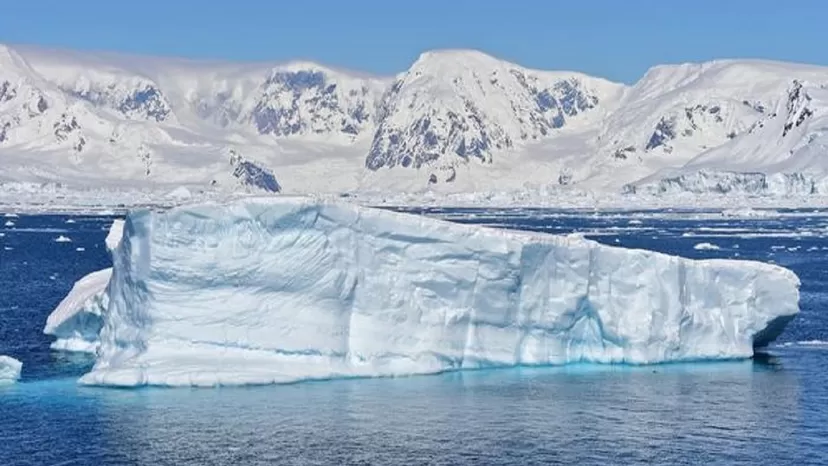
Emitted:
<point x="77" y="319"/>
<point x="9" y="370"/>
<point x="281" y="290"/>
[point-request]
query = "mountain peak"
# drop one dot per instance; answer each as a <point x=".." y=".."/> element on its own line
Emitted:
<point x="456" y="57"/>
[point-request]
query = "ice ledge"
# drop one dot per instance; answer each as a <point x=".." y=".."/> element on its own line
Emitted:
<point x="77" y="321"/>
<point x="279" y="290"/>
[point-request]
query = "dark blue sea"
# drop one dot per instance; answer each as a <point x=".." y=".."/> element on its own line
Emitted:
<point x="769" y="410"/>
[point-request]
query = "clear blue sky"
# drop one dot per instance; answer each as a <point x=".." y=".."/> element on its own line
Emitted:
<point x="616" y="39"/>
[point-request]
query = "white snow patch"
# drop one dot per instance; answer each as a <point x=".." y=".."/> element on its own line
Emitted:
<point x="9" y="370"/>
<point x="180" y="193"/>
<point x="286" y="289"/>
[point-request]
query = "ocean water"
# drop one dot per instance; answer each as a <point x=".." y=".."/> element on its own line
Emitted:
<point x="769" y="410"/>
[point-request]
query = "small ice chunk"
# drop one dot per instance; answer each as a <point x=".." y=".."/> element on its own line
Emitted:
<point x="706" y="246"/>
<point x="63" y="239"/>
<point x="9" y="370"/>
<point x="9" y="223"/>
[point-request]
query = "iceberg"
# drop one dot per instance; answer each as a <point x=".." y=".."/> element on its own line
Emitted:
<point x="279" y="290"/>
<point x="77" y="319"/>
<point x="9" y="370"/>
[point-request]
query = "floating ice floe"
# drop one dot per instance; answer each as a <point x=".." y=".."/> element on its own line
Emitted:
<point x="706" y="246"/>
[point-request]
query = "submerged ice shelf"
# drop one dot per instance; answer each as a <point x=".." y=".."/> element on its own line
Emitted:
<point x="287" y="289"/>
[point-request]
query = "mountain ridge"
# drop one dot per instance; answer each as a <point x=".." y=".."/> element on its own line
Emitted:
<point x="455" y="120"/>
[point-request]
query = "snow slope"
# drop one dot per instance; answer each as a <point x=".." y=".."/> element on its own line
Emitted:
<point x="783" y="153"/>
<point x="457" y="121"/>
<point x="274" y="290"/>
<point x="674" y="113"/>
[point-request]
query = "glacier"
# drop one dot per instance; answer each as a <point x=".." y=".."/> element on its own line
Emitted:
<point x="285" y="289"/>
<point x="9" y="370"/>
<point x="77" y="319"/>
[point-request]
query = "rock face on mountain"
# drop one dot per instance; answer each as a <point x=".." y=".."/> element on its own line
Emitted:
<point x="33" y="111"/>
<point x="456" y="119"/>
<point x="454" y="106"/>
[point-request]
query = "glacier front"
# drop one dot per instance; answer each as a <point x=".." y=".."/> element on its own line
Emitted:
<point x="276" y="290"/>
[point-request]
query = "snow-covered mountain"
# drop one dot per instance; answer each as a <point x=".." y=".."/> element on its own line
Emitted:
<point x="783" y="152"/>
<point x="455" y="121"/>
<point x="453" y="106"/>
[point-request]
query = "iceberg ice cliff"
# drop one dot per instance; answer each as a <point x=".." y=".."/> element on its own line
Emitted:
<point x="9" y="370"/>
<point x="77" y="319"/>
<point x="281" y="290"/>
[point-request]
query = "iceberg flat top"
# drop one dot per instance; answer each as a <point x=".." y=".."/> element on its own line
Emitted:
<point x="286" y="289"/>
